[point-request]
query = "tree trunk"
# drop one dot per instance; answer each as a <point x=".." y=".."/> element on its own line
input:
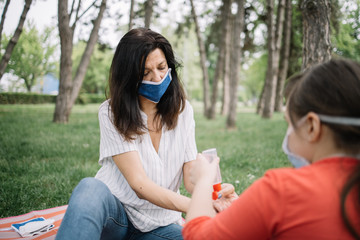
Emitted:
<point x="261" y="102"/>
<point x="271" y="49"/>
<point x="69" y="88"/>
<point x="3" y="18"/>
<point x="221" y="56"/>
<point x="284" y="58"/>
<point x="131" y="14"/>
<point x="316" y="30"/>
<point x="274" y="44"/>
<point x="13" y="41"/>
<point x="62" y="107"/>
<point x="226" y="70"/>
<point x="203" y="61"/>
<point x="27" y="84"/>
<point x="30" y="82"/>
<point x="235" y="64"/>
<point x="148" y="12"/>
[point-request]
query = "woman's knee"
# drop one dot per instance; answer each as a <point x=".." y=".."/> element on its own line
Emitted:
<point x="90" y="191"/>
<point x="92" y="184"/>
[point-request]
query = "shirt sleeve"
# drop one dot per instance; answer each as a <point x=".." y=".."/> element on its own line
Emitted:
<point x="190" y="148"/>
<point x="111" y="142"/>
<point x="254" y="215"/>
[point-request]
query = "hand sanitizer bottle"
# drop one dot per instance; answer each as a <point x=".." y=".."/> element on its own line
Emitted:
<point x="211" y="155"/>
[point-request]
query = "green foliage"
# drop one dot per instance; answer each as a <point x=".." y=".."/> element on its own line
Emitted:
<point x="346" y="38"/>
<point x="33" y="55"/>
<point x="345" y="43"/>
<point x="41" y="162"/>
<point x="97" y="73"/>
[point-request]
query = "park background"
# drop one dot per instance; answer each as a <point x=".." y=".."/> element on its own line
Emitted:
<point x="234" y="70"/>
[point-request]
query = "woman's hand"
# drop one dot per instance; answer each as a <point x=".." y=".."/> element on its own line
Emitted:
<point x="228" y="197"/>
<point x="201" y="168"/>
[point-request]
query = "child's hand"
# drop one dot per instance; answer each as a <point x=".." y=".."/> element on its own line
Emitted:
<point x="201" y="168"/>
<point x="228" y="196"/>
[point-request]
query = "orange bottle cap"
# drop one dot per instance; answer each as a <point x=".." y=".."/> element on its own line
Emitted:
<point x="214" y="195"/>
<point x="217" y="187"/>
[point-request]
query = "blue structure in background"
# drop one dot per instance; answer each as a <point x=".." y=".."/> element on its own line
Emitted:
<point x="50" y="84"/>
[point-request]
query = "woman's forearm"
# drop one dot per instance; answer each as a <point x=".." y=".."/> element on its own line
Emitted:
<point x="161" y="197"/>
<point x="131" y="167"/>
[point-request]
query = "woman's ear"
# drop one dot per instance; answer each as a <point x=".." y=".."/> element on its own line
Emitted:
<point x="313" y="129"/>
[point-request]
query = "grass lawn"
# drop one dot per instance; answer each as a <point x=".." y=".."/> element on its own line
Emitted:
<point x="41" y="162"/>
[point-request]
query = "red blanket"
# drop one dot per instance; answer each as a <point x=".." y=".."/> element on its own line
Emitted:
<point x="57" y="213"/>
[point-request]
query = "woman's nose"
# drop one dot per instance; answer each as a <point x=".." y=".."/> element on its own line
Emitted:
<point x="158" y="76"/>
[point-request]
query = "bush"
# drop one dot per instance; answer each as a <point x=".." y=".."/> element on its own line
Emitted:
<point x="34" y="98"/>
<point x="26" y="98"/>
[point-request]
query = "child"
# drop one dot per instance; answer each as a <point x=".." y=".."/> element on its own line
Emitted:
<point x="320" y="197"/>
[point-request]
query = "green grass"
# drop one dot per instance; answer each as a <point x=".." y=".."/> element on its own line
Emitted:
<point x="41" y="162"/>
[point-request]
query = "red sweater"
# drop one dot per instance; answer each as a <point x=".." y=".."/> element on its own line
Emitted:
<point x="286" y="203"/>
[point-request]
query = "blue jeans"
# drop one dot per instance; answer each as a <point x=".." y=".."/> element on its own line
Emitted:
<point x="94" y="213"/>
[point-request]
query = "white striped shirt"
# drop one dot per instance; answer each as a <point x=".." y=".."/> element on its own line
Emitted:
<point x="176" y="147"/>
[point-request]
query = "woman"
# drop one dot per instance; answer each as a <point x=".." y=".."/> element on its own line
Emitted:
<point x="147" y="143"/>
<point x="320" y="198"/>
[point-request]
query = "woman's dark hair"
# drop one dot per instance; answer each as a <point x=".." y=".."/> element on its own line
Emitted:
<point x="126" y="75"/>
<point x="333" y="89"/>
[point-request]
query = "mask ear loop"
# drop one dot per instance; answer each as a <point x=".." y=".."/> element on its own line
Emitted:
<point x="339" y="120"/>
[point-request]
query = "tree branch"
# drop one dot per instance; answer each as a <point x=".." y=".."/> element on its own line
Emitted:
<point x="13" y="41"/>
<point x="76" y="16"/>
<point x="72" y="9"/>
<point x="82" y="14"/>
<point x="3" y="18"/>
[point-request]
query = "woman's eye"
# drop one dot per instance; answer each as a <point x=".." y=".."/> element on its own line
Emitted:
<point x="146" y="73"/>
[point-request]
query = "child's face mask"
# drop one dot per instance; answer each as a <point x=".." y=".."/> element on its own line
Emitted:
<point x="296" y="160"/>
<point x="299" y="161"/>
<point x="155" y="90"/>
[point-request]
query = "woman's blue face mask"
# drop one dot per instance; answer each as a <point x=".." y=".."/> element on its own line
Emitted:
<point x="155" y="90"/>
